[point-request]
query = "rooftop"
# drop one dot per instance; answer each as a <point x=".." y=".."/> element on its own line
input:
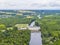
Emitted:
<point x="21" y="25"/>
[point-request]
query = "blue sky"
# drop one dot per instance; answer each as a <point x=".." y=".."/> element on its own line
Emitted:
<point x="30" y="4"/>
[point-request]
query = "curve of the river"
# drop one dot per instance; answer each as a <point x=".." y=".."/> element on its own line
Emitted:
<point x="35" y="37"/>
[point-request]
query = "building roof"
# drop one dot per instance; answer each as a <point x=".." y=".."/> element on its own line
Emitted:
<point x="21" y="25"/>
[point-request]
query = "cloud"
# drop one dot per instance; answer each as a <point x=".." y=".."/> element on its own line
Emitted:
<point x="30" y="4"/>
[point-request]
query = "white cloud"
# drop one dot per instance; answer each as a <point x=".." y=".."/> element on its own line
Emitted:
<point x="30" y="4"/>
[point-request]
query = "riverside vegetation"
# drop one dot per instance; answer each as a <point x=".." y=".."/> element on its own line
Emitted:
<point x="50" y="29"/>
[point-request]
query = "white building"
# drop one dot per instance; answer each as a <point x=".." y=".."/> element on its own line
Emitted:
<point x="21" y="26"/>
<point x="34" y="28"/>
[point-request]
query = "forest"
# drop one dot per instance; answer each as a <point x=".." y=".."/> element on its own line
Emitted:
<point x="10" y="35"/>
<point x="50" y="29"/>
<point x="13" y="36"/>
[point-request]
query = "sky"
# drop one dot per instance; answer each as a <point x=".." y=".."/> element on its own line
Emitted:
<point x="30" y="4"/>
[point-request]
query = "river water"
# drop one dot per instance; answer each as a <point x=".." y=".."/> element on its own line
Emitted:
<point x="35" y="37"/>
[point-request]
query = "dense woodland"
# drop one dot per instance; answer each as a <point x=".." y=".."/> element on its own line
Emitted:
<point x="50" y="29"/>
<point x="13" y="36"/>
<point x="8" y="22"/>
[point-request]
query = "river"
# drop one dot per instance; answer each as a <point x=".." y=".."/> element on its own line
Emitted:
<point x="35" y="37"/>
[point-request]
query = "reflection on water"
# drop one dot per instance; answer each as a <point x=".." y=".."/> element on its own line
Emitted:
<point x="32" y="24"/>
<point x="36" y="38"/>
